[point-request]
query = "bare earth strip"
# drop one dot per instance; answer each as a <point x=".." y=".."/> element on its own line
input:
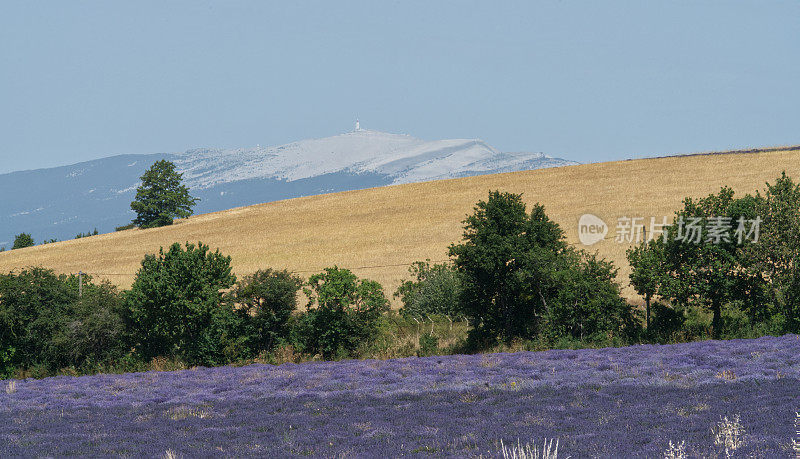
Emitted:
<point x="378" y="232"/>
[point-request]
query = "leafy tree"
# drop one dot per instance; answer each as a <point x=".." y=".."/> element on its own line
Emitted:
<point x="518" y="275"/>
<point x="161" y="197"/>
<point x="704" y="266"/>
<point x="776" y="256"/>
<point x="585" y="302"/>
<point x="647" y="271"/>
<point x="22" y="240"/>
<point x="501" y="262"/>
<point x="436" y="290"/>
<point x="175" y="306"/>
<point x="32" y="305"/>
<point x="266" y="300"/>
<point x="343" y="312"/>
<point x="92" y="332"/>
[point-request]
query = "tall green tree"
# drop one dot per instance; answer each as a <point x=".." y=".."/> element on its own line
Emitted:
<point x="647" y="263"/>
<point x="519" y="275"/>
<point x="175" y="306"/>
<point x="161" y="197"/>
<point x="22" y="240"/>
<point x="33" y="302"/>
<point x="776" y="256"/>
<point x="704" y="266"/>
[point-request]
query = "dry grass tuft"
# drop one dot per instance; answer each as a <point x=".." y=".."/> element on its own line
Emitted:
<point x="549" y="450"/>
<point x="391" y="227"/>
<point x="675" y="451"/>
<point x="179" y="413"/>
<point x="726" y="374"/>
<point x="11" y="387"/>
<point x="729" y="434"/>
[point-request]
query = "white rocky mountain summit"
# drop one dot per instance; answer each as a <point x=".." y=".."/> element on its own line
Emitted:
<point x="402" y="158"/>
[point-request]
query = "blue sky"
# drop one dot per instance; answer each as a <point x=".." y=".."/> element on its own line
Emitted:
<point x="589" y="81"/>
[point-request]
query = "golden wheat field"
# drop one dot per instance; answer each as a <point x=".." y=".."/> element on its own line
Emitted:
<point x="378" y="232"/>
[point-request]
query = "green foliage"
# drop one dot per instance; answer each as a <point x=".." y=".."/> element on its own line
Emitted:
<point x="92" y="332"/>
<point x="33" y="303"/>
<point x="343" y="312"/>
<point x="776" y="256"/>
<point x="586" y="303"/>
<point x="648" y="265"/>
<point x="49" y="241"/>
<point x="518" y="275"/>
<point x="6" y="360"/>
<point x="22" y="240"/>
<point x="436" y="290"/>
<point x="666" y="324"/>
<point x="161" y="197"/>
<point x="699" y="269"/>
<point x="748" y="287"/>
<point x="428" y="345"/>
<point x="265" y="301"/>
<point x="175" y="306"/>
<point x="501" y="261"/>
<point x="125" y="227"/>
<point x="87" y="234"/>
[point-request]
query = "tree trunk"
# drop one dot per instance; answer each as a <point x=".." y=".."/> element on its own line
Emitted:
<point x="716" y="322"/>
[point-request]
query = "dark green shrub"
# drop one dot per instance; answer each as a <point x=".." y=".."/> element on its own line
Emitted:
<point x="436" y="290"/>
<point x="92" y="333"/>
<point x="175" y="307"/>
<point x="22" y="240"/>
<point x="33" y="304"/>
<point x="666" y="323"/>
<point x="519" y="275"/>
<point x="265" y="301"/>
<point x="87" y="234"/>
<point x="343" y="312"/>
<point x="125" y="227"/>
<point x="428" y="345"/>
<point x="586" y="303"/>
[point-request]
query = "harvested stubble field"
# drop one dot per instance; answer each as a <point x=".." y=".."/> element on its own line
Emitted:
<point x="378" y="232"/>
<point x="623" y="402"/>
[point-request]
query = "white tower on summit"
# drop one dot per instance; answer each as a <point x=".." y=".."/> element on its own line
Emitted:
<point x="358" y="125"/>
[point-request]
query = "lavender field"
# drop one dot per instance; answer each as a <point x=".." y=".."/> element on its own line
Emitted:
<point x="610" y="402"/>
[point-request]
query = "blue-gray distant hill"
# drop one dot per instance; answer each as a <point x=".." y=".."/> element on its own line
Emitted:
<point x="64" y="201"/>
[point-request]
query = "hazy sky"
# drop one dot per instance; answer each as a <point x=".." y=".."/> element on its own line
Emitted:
<point x="588" y="81"/>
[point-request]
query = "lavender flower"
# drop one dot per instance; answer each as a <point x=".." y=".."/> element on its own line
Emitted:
<point x="616" y="402"/>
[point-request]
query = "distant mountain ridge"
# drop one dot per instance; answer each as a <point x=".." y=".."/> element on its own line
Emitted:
<point x="64" y="201"/>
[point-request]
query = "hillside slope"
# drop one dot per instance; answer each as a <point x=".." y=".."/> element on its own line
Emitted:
<point x="64" y="201"/>
<point x="378" y="232"/>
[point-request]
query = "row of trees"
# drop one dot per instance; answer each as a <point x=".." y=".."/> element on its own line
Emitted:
<point x="184" y="304"/>
<point x="513" y="277"/>
<point x="755" y="285"/>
